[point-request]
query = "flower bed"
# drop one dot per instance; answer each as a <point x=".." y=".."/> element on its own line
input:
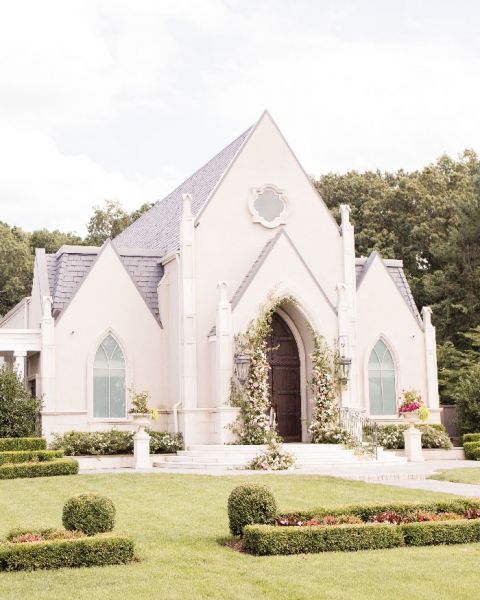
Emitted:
<point x="50" y="549"/>
<point x="366" y="526"/>
<point x="39" y="469"/>
<point x="391" y="437"/>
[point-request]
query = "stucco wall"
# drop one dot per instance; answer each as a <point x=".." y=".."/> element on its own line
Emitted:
<point x="106" y="301"/>
<point x="228" y="242"/>
<point x="383" y="313"/>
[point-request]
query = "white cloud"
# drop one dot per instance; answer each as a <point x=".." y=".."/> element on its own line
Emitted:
<point x="121" y="98"/>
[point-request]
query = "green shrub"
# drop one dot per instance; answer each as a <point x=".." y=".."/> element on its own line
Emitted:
<point x="89" y="513"/>
<point x="441" y="532"/>
<point x="23" y="456"/>
<point x="270" y="539"/>
<point x="364" y="511"/>
<point x="84" y="552"/>
<point x="19" y="410"/>
<point x="39" y="469"/>
<point x="471" y="437"/>
<point x="27" y="443"/>
<point x="467" y="399"/>
<point x="95" y="443"/>
<point x="434" y="435"/>
<point x="471" y="450"/>
<point x="250" y="503"/>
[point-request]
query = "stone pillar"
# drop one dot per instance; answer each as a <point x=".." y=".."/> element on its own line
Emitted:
<point x="188" y="367"/>
<point x="343" y="336"/>
<point x="433" y="401"/>
<point x="19" y="357"/>
<point x="141" y="449"/>
<point x="47" y="357"/>
<point x="413" y="444"/>
<point x="223" y="356"/>
<point x="348" y="321"/>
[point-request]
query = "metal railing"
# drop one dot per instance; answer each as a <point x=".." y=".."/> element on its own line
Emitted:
<point x="362" y="430"/>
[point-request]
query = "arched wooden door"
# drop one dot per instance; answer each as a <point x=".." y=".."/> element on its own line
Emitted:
<point x="285" y="380"/>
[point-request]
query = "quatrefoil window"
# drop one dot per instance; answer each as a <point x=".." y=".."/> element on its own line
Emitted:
<point x="268" y="206"/>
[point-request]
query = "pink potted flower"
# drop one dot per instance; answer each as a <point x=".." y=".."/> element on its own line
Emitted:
<point x="412" y="407"/>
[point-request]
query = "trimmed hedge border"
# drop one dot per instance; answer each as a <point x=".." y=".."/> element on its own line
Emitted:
<point x="105" y="549"/>
<point x="266" y="540"/>
<point x="24" y="456"/>
<point x="33" y="443"/>
<point x="39" y="469"/>
<point x="471" y="437"/>
<point x="472" y="450"/>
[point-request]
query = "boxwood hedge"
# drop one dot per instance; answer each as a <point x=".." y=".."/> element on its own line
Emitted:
<point x="39" y="469"/>
<point x="23" y="456"/>
<point x="472" y="450"/>
<point x="104" y="549"/>
<point x="441" y="532"/>
<point x="30" y="443"/>
<point x="271" y="539"/>
<point x="471" y="437"/>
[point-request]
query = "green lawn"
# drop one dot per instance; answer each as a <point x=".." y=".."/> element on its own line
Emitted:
<point x="177" y="521"/>
<point x="468" y="475"/>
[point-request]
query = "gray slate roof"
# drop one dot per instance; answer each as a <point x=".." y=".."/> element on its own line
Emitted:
<point x="69" y="266"/>
<point x="395" y="270"/>
<point x="159" y="227"/>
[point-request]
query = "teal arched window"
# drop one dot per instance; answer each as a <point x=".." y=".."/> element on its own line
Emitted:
<point x="109" y="381"/>
<point x="381" y="381"/>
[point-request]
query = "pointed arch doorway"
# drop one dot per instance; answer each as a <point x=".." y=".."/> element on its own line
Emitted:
<point x="284" y="360"/>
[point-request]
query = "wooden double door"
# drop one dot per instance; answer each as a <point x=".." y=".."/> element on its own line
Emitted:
<point x="284" y="382"/>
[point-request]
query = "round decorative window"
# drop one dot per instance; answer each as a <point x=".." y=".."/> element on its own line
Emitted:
<point x="268" y="206"/>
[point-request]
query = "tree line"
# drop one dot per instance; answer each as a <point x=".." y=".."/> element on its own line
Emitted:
<point x="430" y="218"/>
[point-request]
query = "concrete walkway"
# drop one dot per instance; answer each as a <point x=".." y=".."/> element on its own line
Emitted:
<point x="407" y="475"/>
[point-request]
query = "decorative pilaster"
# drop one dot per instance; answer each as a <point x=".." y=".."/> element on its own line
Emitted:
<point x="430" y="359"/>
<point x="223" y="356"/>
<point x="19" y="357"/>
<point x="47" y="356"/>
<point x="188" y="368"/>
<point x="347" y="307"/>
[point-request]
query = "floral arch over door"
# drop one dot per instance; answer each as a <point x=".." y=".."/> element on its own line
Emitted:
<point x="381" y="381"/>
<point x="109" y="400"/>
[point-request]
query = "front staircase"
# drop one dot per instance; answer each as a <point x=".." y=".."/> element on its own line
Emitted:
<point x="207" y="457"/>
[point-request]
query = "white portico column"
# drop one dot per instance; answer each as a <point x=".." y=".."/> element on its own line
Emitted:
<point x="431" y="363"/>
<point x="19" y="357"/>
<point x="223" y="357"/>
<point x="347" y="308"/>
<point x="188" y="313"/>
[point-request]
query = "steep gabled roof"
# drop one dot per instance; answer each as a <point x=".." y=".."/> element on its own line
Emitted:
<point x="159" y="228"/>
<point x="395" y="270"/>
<point x="69" y="266"/>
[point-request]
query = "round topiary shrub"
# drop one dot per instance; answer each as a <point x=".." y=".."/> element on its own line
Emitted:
<point x="248" y="504"/>
<point x="89" y="513"/>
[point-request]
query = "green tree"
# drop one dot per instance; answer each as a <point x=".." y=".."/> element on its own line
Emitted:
<point x="52" y="240"/>
<point x="109" y="221"/>
<point x="15" y="266"/>
<point x="19" y="410"/>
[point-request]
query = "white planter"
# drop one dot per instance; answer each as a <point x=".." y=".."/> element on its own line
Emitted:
<point x="141" y="420"/>
<point x="411" y="418"/>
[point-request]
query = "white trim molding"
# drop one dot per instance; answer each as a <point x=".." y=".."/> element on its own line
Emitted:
<point x="281" y="219"/>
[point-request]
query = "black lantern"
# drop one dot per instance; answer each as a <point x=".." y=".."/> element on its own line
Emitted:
<point x="344" y="369"/>
<point x="241" y="363"/>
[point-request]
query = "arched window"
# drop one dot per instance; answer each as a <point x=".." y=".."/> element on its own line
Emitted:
<point x="109" y="381"/>
<point x="381" y="381"/>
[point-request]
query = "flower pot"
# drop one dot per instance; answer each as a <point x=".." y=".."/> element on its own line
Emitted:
<point x="141" y="420"/>
<point x="411" y="417"/>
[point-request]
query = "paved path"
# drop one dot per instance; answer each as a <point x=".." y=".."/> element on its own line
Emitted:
<point x="407" y="475"/>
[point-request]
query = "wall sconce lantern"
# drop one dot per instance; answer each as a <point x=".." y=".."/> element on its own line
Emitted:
<point x="344" y="369"/>
<point x="241" y="362"/>
<point x="344" y="362"/>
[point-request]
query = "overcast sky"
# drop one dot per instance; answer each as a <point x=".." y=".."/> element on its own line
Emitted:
<point x="123" y="99"/>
